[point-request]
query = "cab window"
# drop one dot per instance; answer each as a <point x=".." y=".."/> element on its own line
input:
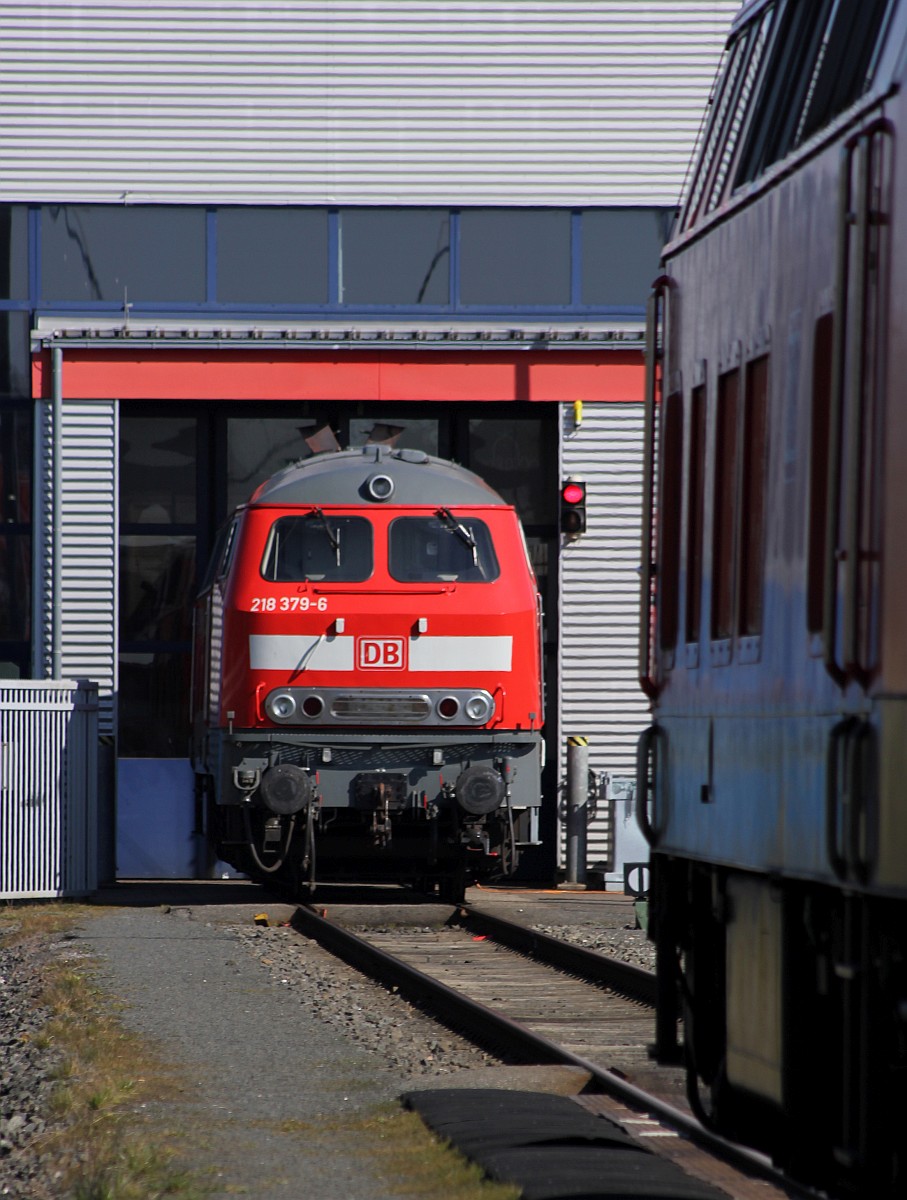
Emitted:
<point x="318" y="546"/>
<point x="443" y="548"/>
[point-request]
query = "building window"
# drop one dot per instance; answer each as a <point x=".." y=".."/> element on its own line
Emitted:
<point x="157" y="470"/>
<point x="158" y="513"/>
<point x="13" y="252"/>
<point x="14" y="355"/>
<point x="165" y="258"/>
<point x="273" y="256"/>
<point x="516" y="458"/>
<point x="515" y="257"/>
<point x="259" y="447"/>
<point x="157" y="583"/>
<point x="394" y="256"/>
<point x="123" y="254"/>
<point x="153" y="705"/>
<point x="15" y="541"/>
<point x="401" y="432"/>
<point x="621" y="249"/>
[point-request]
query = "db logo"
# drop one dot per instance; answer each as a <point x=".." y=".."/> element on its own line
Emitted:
<point x="381" y="654"/>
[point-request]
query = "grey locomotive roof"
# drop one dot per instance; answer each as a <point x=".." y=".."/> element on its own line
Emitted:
<point x="355" y="477"/>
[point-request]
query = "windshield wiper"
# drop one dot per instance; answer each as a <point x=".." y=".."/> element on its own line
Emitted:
<point x="455" y="526"/>
<point x="333" y="535"/>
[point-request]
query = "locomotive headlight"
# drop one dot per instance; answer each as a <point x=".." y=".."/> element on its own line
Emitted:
<point x="312" y="707"/>
<point x="379" y="487"/>
<point x="281" y="706"/>
<point x="480" y="707"/>
<point x="448" y="707"/>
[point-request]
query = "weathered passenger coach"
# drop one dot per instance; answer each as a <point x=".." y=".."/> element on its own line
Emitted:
<point x="774" y="629"/>
<point x="367" y="698"/>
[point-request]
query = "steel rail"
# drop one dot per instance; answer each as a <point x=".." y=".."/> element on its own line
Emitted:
<point x="495" y="1031"/>
<point x="635" y="983"/>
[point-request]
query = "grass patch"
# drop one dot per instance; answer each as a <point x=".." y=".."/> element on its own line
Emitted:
<point x="410" y="1157"/>
<point x="110" y="1148"/>
<point x="102" y="1141"/>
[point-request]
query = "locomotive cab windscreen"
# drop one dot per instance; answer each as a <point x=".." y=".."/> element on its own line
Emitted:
<point x="314" y="547"/>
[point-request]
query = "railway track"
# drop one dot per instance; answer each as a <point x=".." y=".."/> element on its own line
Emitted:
<point x="531" y="998"/>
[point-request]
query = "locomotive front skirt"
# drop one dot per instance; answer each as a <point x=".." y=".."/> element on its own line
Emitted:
<point x="367" y="698"/>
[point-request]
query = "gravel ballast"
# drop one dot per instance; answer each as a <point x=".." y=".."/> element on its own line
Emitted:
<point x="280" y="1046"/>
<point x="26" y="1073"/>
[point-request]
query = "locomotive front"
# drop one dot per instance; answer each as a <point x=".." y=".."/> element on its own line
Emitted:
<point x="367" y="697"/>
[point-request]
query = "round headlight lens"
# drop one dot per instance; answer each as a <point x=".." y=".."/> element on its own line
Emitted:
<point x="282" y="706"/>
<point x="380" y="487"/>
<point x="448" y="707"/>
<point x="312" y="706"/>
<point x="479" y="707"/>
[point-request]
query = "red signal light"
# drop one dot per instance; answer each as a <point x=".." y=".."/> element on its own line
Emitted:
<point x="573" y="507"/>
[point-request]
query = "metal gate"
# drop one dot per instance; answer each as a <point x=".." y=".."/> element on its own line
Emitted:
<point x="48" y="789"/>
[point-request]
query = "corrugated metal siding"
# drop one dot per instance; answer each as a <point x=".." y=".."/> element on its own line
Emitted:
<point x="599" y="693"/>
<point x="48" y="789"/>
<point x="349" y="101"/>
<point x="87" y="605"/>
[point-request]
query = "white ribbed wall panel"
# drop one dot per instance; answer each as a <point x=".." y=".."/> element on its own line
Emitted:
<point x="594" y="102"/>
<point x="48" y="789"/>
<point x="599" y="693"/>
<point x="87" y="605"/>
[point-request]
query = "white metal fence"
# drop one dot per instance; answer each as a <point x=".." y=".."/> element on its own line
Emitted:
<point x="48" y="788"/>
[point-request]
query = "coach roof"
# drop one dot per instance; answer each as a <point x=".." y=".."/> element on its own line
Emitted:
<point x="374" y="474"/>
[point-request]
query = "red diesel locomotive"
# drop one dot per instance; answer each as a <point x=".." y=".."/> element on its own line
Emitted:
<point x="367" y="698"/>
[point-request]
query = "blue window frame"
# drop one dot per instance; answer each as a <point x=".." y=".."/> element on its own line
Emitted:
<point x="316" y="261"/>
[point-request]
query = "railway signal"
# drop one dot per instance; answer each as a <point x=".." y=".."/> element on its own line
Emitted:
<point x="573" y="507"/>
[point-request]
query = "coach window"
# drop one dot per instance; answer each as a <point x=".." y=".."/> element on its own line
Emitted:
<point x="318" y="546"/>
<point x="695" y="513"/>
<point x="845" y="63"/>
<point x="722" y="106"/>
<point x="752" y="512"/>
<point x="778" y="109"/>
<point x="273" y="256"/>
<point x="818" y="470"/>
<point x="122" y="253"/>
<point x="669" y="513"/>
<point x="445" y="548"/>
<point x="724" y="506"/>
<point x="394" y="256"/>
<point x="514" y="257"/>
<point x="821" y="62"/>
